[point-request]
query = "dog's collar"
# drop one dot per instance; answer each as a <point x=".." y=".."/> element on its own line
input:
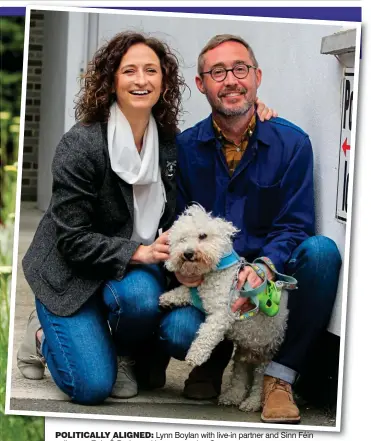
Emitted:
<point x="225" y="262"/>
<point x="228" y="260"/>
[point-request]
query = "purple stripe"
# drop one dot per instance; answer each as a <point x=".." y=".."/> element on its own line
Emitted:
<point x="313" y="13"/>
<point x="325" y="13"/>
<point x="12" y="11"/>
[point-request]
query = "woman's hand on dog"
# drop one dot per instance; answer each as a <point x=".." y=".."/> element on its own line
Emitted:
<point x="157" y="252"/>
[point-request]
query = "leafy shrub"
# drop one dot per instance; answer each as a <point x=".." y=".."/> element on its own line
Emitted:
<point x="11" y="47"/>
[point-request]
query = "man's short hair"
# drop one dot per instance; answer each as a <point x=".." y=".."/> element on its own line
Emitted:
<point x="219" y="39"/>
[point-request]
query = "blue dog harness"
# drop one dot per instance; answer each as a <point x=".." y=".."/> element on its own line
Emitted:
<point x="225" y="262"/>
<point x="266" y="296"/>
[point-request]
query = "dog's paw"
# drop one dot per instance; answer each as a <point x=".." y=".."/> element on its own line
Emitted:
<point x="194" y="359"/>
<point x="191" y="361"/>
<point x="251" y="404"/>
<point x="225" y="401"/>
<point x="230" y="398"/>
<point x="164" y="301"/>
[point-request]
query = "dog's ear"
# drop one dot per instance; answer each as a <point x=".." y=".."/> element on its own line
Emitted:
<point x="226" y="228"/>
<point x="194" y="209"/>
<point x="169" y="266"/>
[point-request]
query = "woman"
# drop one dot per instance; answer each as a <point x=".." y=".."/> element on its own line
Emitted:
<point x="97" y="252"/>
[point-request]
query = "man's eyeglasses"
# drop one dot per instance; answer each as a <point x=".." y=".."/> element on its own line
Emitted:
<point x="219" y="73"/>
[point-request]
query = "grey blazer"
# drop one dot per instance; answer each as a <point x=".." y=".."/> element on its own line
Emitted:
<point x="83" y="238"/>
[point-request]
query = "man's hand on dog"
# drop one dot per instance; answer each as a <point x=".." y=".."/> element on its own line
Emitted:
<point x="247" y="274"/>
<point x="242" y="304"/>
<point x="190" y="282"/>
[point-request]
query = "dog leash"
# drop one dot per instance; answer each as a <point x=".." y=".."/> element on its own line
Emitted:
<point x="267" y="296"/>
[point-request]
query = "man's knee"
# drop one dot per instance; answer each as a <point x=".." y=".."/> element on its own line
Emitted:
<point x="323" y="247"/>
<point x="317" y="252"/>
<point x="316" y="265"/>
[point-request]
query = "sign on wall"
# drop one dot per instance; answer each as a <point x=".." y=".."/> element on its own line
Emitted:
<point x="345" y="145"/>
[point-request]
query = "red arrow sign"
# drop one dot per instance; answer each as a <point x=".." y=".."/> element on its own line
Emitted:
<point x="345" y="146"/>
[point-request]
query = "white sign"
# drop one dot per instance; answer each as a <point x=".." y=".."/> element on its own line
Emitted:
<point x="345" y="146"/>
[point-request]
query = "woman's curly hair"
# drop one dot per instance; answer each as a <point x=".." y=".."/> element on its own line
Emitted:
<point x="96" y="94"/>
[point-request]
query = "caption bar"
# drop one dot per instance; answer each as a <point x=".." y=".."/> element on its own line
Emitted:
<point x="186" y="436"/>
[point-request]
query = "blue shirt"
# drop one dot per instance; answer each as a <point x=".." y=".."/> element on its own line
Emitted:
<point x="270" y="195"/>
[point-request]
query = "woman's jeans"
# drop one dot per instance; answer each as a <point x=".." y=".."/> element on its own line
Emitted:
<point x="81" y="349"/>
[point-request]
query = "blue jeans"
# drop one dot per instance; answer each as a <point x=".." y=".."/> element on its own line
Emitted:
<point x="316" y="265"/>
<point x="133" y="307"/>
<point x="81" y="349"/>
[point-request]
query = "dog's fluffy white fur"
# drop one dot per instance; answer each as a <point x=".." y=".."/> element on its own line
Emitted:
<point x="197" y="243"/>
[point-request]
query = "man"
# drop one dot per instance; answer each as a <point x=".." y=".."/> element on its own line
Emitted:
<point x="260" y="177"/>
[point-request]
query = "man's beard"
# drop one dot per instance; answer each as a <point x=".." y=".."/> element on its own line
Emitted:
<point x="218" y="107"/>
<point x="239" y="111"/>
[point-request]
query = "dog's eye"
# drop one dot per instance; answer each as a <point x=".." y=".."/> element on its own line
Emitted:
<point x="183" y="239"/>
<point x="202" y="236"/>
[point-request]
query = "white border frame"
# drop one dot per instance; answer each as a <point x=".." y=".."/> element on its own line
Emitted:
<point x="56" y="7"/>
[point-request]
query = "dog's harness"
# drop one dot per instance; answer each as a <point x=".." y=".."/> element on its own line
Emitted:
<point x="266" y="297"/>
<point x="225" y="262"/>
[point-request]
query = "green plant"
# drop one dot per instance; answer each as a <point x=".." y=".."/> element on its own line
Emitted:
<point x="11" y="29"/>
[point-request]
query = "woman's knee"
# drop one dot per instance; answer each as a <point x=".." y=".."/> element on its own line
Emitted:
<point x="137" y="294"/>
<point x="93" y="391"/>
<point x="178" y="330"/>
<point x="88" y="389"/>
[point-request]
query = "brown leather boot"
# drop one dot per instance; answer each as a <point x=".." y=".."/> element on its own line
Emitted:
<point x="278" y="403"/>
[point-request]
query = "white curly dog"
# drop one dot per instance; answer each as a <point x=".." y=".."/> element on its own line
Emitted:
<point x="198" y="242"/>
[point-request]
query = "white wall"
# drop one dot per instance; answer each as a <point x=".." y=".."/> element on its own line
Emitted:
<point x="75" y="62"/>
<point x="300" y="83"/>
<point x="63" y="58"/>
<point x="53" y="99"/>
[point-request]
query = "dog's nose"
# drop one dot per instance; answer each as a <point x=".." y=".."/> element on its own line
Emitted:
<point x="188" y="254"/>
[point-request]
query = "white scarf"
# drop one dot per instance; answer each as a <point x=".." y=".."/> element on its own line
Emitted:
<point x="142" y="171"/>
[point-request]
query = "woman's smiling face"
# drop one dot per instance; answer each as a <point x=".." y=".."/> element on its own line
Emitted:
<point x="138" y="79"/>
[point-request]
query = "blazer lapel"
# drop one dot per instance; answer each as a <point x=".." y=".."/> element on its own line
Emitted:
<point x="168" y="162"/>
<point x="126" y="189"/>
<point x="167" y="157"/>
<point x="127" y="192"/>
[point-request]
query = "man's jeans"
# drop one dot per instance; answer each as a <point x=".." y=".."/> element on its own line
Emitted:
<point x="315" y="264"/>
<point x="81" y="352"/>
